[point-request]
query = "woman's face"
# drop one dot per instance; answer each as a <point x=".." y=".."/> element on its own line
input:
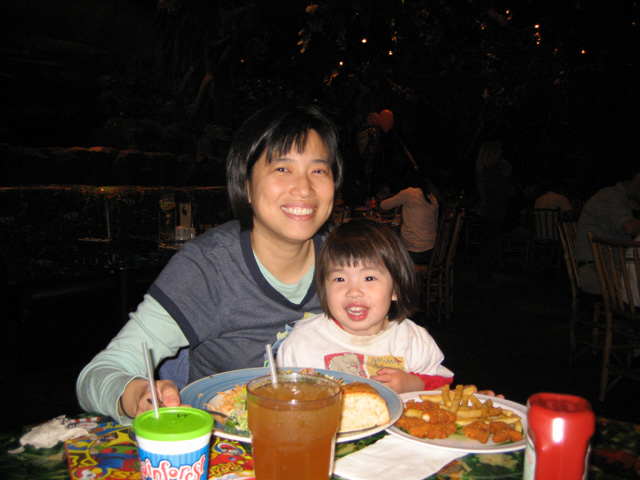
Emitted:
<point x="292" y="197"/>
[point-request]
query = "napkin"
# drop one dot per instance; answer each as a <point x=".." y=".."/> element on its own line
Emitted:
<point x="400" y="458"/>
<point x="50" y="433"/>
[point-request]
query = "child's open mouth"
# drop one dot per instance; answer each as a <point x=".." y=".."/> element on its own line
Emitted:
<point x="357" y="312"/>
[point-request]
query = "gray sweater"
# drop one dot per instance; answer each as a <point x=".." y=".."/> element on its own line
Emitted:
<point x="214" y="290"/>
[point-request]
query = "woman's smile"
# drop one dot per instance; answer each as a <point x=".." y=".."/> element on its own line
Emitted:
<point x="298" y="211"/>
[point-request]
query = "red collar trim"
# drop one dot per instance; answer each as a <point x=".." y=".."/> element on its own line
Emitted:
<point x="337" y="323"/>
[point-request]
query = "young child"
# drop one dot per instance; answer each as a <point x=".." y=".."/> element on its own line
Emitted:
<point x="367" y="287"/>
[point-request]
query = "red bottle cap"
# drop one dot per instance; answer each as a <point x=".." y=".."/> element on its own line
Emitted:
<point x="557" y="402"/>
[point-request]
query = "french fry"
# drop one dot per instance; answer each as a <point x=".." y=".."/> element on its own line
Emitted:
<point x="479" y="413"/>
<point x="413" y="412"/>
<point x="475" y="402"/>
<point x="446" y="398"/>
<point x="436" y="398"/>
<point x="469" y="390"/>
<point x="457" y="397"/>
<point x="461" y="422"/>
<point x="506" y="419"/>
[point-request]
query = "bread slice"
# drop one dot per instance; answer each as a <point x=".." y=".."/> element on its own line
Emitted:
<point x="362" y="407"/>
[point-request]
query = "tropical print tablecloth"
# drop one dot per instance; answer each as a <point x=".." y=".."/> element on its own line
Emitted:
<point x="615" y="449"/>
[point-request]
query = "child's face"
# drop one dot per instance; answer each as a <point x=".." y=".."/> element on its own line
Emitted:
<point x="359" y="297"/>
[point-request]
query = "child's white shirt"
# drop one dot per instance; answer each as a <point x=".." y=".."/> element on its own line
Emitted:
<point x="319" y="342"/>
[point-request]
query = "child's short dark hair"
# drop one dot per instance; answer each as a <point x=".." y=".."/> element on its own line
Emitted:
<point x="275" y="131"/>
<point x="366" y="242"/>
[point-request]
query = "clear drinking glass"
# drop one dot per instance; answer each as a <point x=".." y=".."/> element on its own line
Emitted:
<point x="293" y="426"/>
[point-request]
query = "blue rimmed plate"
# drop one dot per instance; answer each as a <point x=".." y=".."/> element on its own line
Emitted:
<point x="203" y="392"/>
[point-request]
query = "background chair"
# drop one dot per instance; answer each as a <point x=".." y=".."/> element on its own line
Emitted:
<point x="428" y="272"/>
<point x="544" y="245"/>
<point x="617" y="264"/>
<point x="472" y="231"/>
<point x="514" y="244"/>
<point x="587" y="321"/>
<point x="447" y="278"/>
<point x="438" y="276"/>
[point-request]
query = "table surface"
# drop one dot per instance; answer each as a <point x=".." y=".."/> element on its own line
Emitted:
<point x="615" y="449"/>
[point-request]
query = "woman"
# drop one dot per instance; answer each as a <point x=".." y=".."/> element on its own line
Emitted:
<point x="419" y="217"/>
<point x="238" y="286"/>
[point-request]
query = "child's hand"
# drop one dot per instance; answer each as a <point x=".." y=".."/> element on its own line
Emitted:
<point x="398" y="380"/>
<point x="491" y="393"/>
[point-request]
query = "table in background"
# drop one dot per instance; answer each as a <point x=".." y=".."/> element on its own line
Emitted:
<point x="614" y="454"/>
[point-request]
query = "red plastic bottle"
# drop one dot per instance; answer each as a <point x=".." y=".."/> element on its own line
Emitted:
<point x="558" y="434"/>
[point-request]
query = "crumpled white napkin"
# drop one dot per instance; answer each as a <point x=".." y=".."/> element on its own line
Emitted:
<point x="406" y="460"/>
<point x="50" y="433"/>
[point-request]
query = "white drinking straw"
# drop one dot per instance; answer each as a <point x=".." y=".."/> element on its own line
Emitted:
<point x="152" y="383"/>
<point x="272" y="366"/>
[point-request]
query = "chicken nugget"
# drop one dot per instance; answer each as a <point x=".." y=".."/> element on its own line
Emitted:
<point x="477" y="431"/>
<point x="498" y="426"/>
<point x="439" y="416"/>
<point x="435" y="422"/>
<point x="450" y="428"/>
<point x="506" y="434"/>
<point x="425" y="406"/>
<point x="406" y="423"/>
<point x="430" y="431"/>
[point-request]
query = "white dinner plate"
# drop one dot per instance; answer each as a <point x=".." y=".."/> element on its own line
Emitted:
<point x="203" y="392"/>
<point x="458" y="442"/>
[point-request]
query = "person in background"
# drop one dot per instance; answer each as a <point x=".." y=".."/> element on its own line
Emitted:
<point x="608" y="214"/>
<point x="367" y="287"/>
<point x="555" y="198"/>
<point x="419" y="216"/>
<point x="494" y="190"/>
<point x="239" y="286"/>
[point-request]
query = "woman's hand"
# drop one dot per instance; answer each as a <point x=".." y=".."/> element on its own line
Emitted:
<point x="399" y="381"/>
<point x="136" y="398"/>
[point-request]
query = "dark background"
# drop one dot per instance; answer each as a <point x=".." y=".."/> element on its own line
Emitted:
<point x="180" y="75"/>
<point x="556" y="81"/>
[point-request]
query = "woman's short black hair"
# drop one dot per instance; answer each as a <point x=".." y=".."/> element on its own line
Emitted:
<point x="275" y="131"/>
<point x="366" y="242"/>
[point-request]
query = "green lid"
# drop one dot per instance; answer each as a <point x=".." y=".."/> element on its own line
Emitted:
<point x="173" y="424"/>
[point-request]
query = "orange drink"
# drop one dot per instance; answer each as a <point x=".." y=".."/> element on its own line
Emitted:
<point x="293" y="426"/>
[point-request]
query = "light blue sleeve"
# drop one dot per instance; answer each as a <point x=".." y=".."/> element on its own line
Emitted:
<point x="104" y="379"/>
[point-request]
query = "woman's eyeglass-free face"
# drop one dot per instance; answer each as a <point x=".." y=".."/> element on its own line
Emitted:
<point x="292" y="196"/>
